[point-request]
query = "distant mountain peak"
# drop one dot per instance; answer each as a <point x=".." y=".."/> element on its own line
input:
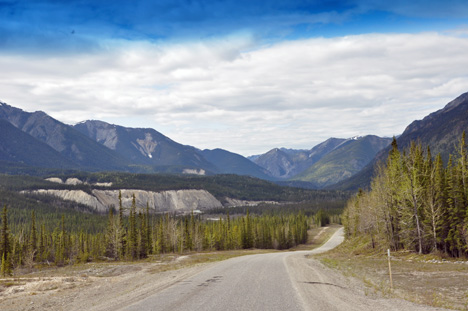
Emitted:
<point x="440" y="130"/>
<point x="79" y="150"/>
<point x="463" y="98"/>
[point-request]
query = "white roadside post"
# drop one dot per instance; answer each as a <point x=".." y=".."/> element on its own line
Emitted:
<point x="390" y="270"/>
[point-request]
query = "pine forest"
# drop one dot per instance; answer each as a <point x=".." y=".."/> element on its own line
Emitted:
<point x="137" y="234"/>
<point x="416" y="203"/>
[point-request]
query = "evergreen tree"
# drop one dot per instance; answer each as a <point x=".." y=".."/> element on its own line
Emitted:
<point x="148" y="231"/>
<point x="121" y="230"/>
<point x="143" y="237"/>
<point x="132" y="241"/>
<point x="416" y="203"/>
<point x="33" y="237"/>
<point x="5" y="269"/>
<point x="112" y="238"/>
<point x="5" y="243"/>
<point x="42" y="244"/>
<point x="456" y="209"/>
<point x="161" y="241"/>
<point x="248" y="231"/>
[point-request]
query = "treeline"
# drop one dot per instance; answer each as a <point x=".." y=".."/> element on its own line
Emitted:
<point x="415" y="203"/>
<point x="141" y="234"/>
<point x="221" y="186"/>
<point x="49" y="211"/>
<point x="323" y="213"/>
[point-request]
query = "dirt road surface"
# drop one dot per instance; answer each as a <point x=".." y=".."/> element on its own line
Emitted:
<point x="272" y="281"/>
<point x="275" y="281"/>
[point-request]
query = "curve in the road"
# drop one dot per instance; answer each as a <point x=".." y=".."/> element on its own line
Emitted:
<point x="274" y="281"/>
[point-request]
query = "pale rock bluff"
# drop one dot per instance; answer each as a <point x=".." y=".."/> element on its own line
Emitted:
<point x="165" y="201"/>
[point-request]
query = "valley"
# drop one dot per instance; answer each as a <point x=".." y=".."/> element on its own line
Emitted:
<point x="129" y="286"/>
<point x="233" y="155"/>
<point x="99" y="146"/>
<point x="130" y="208"/>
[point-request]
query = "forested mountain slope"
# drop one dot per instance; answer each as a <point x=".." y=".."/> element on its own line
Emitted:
<point x="67" y="141"/>
<point x="344" y="161"/>
<point x="440" y="131"/>
<point x="98" y="146"/>
<point x="19" y="147"/>
<point x="286" y="163"/>
<point x="231" y="163"/>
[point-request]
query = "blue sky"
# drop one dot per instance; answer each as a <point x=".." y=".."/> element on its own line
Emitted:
<point x="246" y="76"/>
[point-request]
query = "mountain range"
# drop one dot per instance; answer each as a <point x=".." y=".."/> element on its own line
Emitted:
<point x="36" y="140"/>
<point x="440" y="130"/>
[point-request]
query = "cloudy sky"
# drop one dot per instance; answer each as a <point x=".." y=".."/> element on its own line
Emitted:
<point x="246" y="76"/>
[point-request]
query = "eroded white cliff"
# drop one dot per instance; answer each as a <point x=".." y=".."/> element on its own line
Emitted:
<point x="165" y="201"/>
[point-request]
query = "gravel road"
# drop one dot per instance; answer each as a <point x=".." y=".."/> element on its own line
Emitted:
<point x="274" y="281"/>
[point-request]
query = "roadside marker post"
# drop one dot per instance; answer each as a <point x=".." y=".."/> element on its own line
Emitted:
<point x="390" y="270"/>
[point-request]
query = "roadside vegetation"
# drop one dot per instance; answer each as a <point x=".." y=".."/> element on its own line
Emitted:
<point x="415" y="204"/>
<point x="139" y="235"/>
<point x="428" y="279"/>
<point x="417" y="207"/>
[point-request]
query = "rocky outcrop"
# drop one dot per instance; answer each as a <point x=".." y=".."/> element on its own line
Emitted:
<point x="55" y="180"/>
<point x="78" y="196"/>
<point x="189" y="171"/>
<point x="76" y="181"/>
<point x="165" y="201"/>
<point x="236" y="202"/>
<point x="73" y="181"/>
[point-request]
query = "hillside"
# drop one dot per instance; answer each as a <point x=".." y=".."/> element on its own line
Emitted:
<point x="440" y="130"/>
<point x="19" y="147"/>
<point x="97" y="192"/>
<point x="344" y="161"/>
<point x="231" y="163"/>
<point x="285" y="163"/>
<point x="144" y="146"/>
<point x="70" y="143"/>
<point x="100" y="146"/>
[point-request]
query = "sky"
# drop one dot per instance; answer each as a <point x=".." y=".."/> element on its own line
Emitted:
<point x="245" y="76"/>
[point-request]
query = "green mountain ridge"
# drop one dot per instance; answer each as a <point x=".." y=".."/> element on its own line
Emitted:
<point x="285" y="163"/>
<point x="440" y="130"/>
<point x="344" y="161"/>
<point x="232" y="163"/>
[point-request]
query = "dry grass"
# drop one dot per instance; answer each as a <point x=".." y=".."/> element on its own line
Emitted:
<point x="49" y="286"/>
<point x="317" y="237"/>
<point x="425" y="279"/>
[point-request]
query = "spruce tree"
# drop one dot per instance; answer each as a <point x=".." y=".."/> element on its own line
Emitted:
<point x="142" y="237"/>
<point x="33" y="236"/>
<point x="111" y="238"/>
<point x="148" y="231"/>
<point x="132" y="241"/>
<point x="161" y="241"/>
<point x="5" y="269"/>
<point x="121" y="230"/>
<point x="5" y="243"/>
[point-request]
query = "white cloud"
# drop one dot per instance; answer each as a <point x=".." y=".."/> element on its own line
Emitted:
<point x="227" y="93"/>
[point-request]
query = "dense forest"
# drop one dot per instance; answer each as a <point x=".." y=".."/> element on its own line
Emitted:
<point x="415" y="203"/>
<point x="220" y="186"/>
<point x="140" y="234"/>
<point x="39" y="230"/>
